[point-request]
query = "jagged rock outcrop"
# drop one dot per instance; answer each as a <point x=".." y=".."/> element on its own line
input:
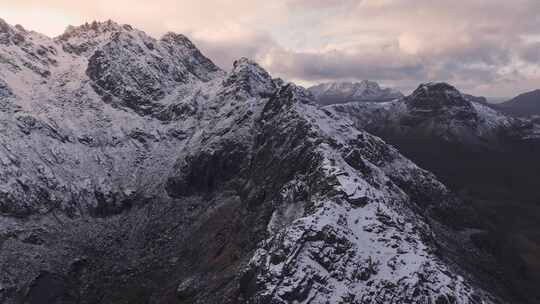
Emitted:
<point x="440" y="99"/>
<point x="133" y="69"/>
<point x="135" y="171"/>
<point x="489" y="158"/>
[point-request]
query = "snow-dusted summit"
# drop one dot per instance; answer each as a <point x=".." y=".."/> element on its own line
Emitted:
<point x="438" y="111"/>
<point x="343" y="92"/>
<point x="133" y="170"/>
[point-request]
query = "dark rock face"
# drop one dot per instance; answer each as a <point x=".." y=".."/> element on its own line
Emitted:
<point x="4" y="90"/>
<point x="485" y="156"/>
<point x="438" y="112"/>
<point x="435" y="99"/>
<point x="526" y="104"/>
<point x="138" y="71"/>
<point x="147" y="175"/>
<point x="83" y="39"/>
<point x="182" y="49"/>
<point x="327" y="246"/>
<point x="206" y="172"/>
<point x="104" y="68"/>
<point x="249" y="79"/>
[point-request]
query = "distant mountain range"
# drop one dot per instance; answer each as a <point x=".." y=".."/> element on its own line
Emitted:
<point x="440" y="112"/>
<point x="342" y="92"/>
<point x="526" y="104"/>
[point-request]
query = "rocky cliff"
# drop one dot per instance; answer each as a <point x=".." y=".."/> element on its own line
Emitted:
<point x="133" y="170"/>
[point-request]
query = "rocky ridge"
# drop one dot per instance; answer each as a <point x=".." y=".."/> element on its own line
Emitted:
<point x="135" y="171"/>
<point x="488" y="158"/>
<point x="438" y="111"/>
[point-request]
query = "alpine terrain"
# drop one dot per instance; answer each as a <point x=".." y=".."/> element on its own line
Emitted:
<point x="489" y="159"/>
<point x="343" y="92"/>
<point x="134" y="170"/>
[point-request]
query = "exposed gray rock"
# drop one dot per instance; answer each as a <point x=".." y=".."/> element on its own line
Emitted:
<point x="437" y="111"/>
<point x="488" y="158"/>
<point x="140" y="173"/>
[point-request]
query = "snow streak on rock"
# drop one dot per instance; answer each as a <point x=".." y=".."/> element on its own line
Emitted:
<point x="134" y="170"/>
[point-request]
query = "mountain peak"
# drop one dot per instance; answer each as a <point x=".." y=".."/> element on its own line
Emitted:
<point x="94" y="28"/>
<point x="368" y="83"/>
<point x="439" y="99"/>
<point x="342" y="92"/>
<point x="172" y="37"/>
<point x="525" y="104"/>
<point x="5" y="28"/>
<point x="249" y="77"/>
<point x="437" y="94"/>
<point x="437" y="88"/>
<point x="348" y="85"/>
<point x="3" y="24"/>
<point x="11" y="34"/>
<point x="244" y="62"/>
<point x="85" y="38"/>
<point x="5" y="32"/>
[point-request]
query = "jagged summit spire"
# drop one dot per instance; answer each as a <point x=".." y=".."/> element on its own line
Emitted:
<point x="247" y="77"/>
<point x="437" y="86"/>
<point x="95" y="27"/>
<point x="170" y="35"/>
<point x="11" y="34"/>
<point x="178" y="39"/>
<point x="244" y="61"/>
<point x="440" y="97"/>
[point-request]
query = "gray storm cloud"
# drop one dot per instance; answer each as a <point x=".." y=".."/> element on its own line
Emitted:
<point x="488" y="47"/>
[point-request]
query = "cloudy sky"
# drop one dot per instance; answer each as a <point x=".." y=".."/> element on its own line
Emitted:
<point x="484" y="47"/>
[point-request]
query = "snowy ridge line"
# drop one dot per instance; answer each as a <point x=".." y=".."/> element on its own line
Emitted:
<point x="119" y="148"/>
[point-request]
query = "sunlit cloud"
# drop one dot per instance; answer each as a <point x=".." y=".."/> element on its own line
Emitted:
<point x="487" y="47"/>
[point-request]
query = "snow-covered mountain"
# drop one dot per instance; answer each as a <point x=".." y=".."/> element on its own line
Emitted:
<point x="489" y="158"/>
<point x="343" y="92"/>
<point x="438" y="111"/>
<point x="133" y="170"/>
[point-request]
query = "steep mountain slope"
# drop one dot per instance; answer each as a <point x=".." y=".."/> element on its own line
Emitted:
<point x="438" y="111"/>
<point x="343" y="92"/>
<point x="526" y="104"/>
<point x="75" y="141"/>
<point x="133" y="170"/>
<point x="489" y="158"/>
